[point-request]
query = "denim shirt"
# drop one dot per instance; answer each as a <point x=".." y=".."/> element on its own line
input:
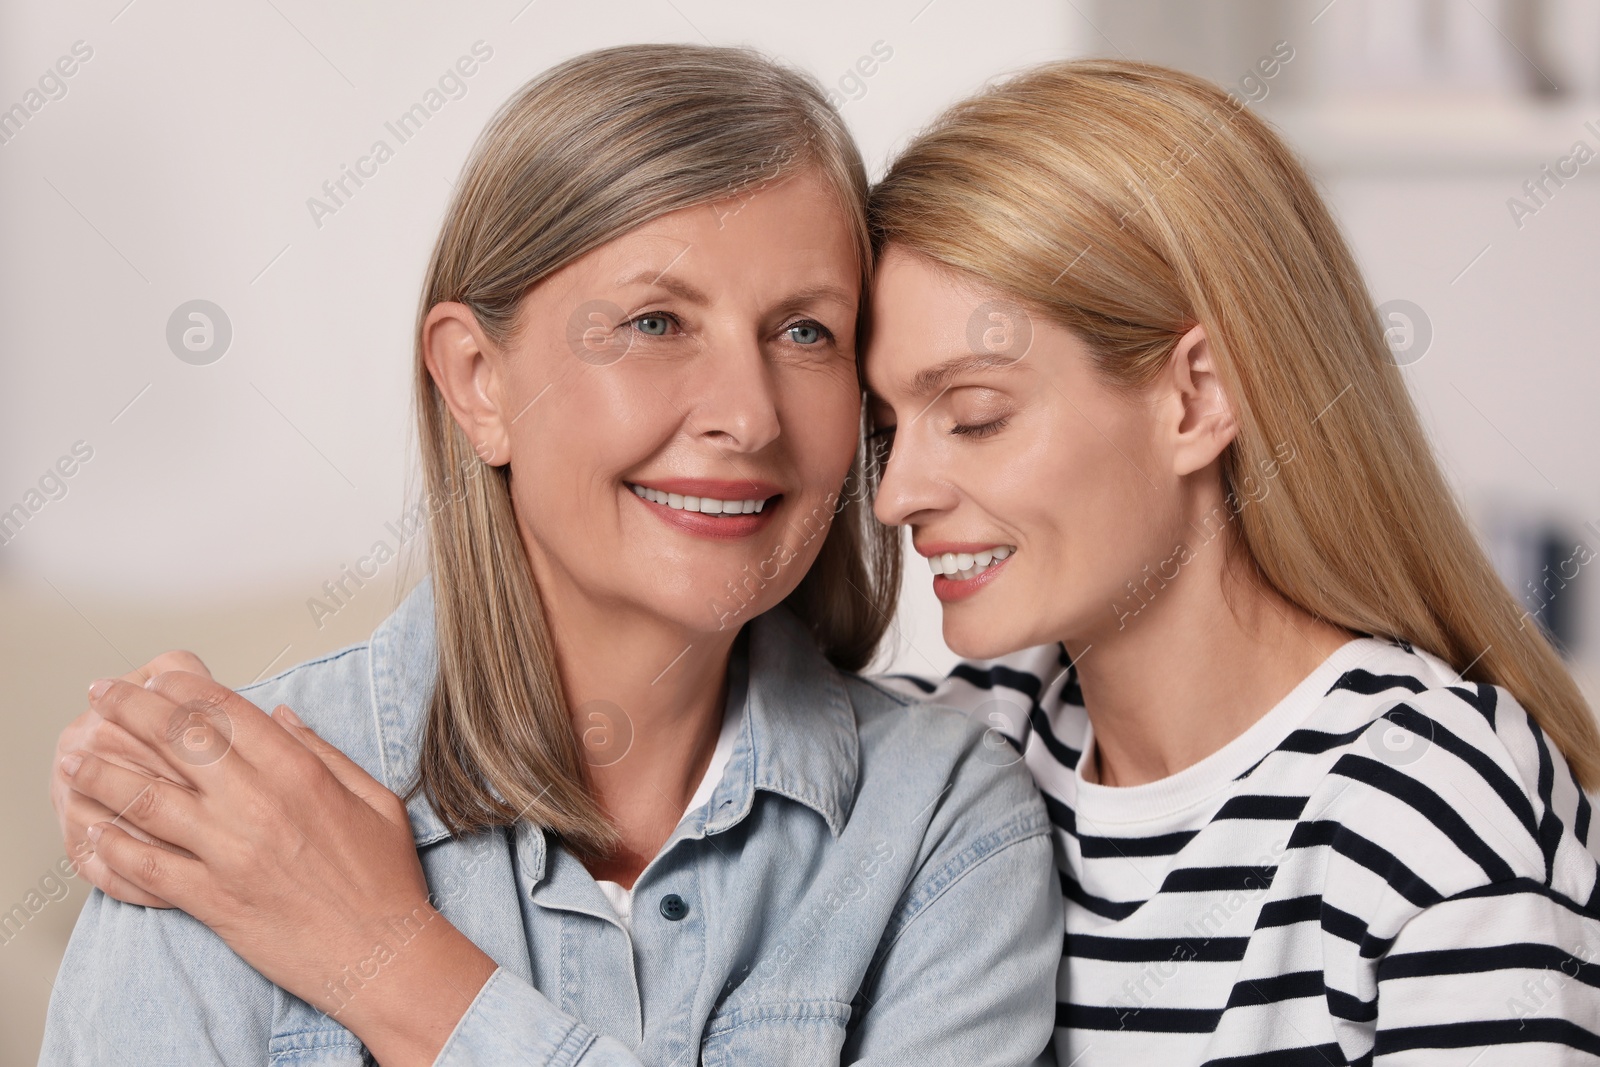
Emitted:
<point x="868" y="883"/>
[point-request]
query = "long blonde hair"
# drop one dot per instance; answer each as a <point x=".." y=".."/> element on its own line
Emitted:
<point x="1129" y="202"/>
<point x="584" y="153"/>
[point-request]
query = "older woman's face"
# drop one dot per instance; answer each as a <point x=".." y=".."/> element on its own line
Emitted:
<point x="681" y="408"/>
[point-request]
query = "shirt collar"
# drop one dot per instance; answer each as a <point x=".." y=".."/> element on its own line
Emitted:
<point x="798" y="738"/>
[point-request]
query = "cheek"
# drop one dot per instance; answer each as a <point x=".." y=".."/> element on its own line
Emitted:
<point x="576" y="440"/>
<point x="606" y="417"/>
<point x="1079" y="497"/>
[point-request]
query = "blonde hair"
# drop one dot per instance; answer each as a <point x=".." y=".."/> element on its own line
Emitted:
<point x="1127" y="203"/>
<point x="586" y="152"/>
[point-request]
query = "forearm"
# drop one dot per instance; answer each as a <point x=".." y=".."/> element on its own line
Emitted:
<point x="405" y="1003"/>
<point x="439" y="1000"/>
<point x="512" y="1024"/>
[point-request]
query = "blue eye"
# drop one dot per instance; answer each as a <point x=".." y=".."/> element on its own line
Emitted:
<point x="806" y="333"/>
<point x="654" y="325"/>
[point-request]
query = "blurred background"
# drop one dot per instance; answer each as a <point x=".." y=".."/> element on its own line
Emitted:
<point x="206" y="342"/>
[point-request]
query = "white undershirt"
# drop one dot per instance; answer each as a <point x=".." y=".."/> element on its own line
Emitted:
<point x="732" y="714"/>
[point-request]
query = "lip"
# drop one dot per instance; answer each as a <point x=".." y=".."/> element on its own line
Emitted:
<point x="712" y="527"/>
<point x="929" y="549"/>
<point x="950" y="590"/>
<point x="738" y="489"/>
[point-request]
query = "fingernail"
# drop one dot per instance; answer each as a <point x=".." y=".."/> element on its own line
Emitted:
<point x="98" y="689"/>
<point x="96" y="830"/>
<point x="70" y="763"/>
<point x="290" y="717"/>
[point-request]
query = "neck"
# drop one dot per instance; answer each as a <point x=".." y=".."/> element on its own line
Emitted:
<point x="646" y="699"/>
<point x="1206" y="656"/>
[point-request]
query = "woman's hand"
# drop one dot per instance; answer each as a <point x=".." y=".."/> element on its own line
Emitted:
<point x="301" y="861"/>
<point x="77" y="812"/>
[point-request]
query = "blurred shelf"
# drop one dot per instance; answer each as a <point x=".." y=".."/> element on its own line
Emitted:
<point x="1453" y="135"/>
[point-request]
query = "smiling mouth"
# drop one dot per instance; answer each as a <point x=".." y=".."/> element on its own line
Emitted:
<point x="704" y="505"/>
<point x="964" y="566"/>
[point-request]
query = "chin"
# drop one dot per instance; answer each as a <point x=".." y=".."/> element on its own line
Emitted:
<point x="721" y="599"/>
<point x="989" y="631"/>
<point x="981" y="636"/>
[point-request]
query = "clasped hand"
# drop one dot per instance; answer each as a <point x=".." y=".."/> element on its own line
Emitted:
<point x="190" y="796"/>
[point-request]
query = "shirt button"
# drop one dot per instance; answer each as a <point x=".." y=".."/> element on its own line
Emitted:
<point x="673" y="907"/>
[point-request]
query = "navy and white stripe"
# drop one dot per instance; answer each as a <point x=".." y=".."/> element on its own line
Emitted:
<point x="1393" y="866"/>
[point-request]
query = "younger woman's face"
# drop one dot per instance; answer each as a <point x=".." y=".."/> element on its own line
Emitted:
<point x="681" y="408"/>
<point x="1035" y="489"/>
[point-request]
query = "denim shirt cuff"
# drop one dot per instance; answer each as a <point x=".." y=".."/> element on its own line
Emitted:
<point x="510" y="1022"/>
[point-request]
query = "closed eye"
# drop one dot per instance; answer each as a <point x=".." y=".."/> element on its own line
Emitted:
<point x="880" y="444"/>
<point x="983" y="429"/>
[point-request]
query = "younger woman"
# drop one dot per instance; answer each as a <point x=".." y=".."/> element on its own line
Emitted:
<point x="1316" y="779"/>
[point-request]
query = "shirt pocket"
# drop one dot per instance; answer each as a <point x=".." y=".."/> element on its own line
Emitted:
<point x="793" y="1032"/>
<point x="302" y="1036"/>
<point x="335" y="1047"/>
<point x="309" y="1050"/>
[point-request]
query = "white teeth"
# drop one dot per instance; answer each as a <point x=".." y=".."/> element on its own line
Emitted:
<point x="962" y="565"/>
<point x="704" y="504"/>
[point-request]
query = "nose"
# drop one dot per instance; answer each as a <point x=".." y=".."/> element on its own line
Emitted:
<point x="735" y="402"/>
<point x="911" y="487"/>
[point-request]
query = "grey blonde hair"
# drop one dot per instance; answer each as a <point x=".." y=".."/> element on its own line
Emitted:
<point x="581" y="155"/>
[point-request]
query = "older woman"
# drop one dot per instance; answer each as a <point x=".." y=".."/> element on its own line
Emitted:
<point x="651" y="816"/>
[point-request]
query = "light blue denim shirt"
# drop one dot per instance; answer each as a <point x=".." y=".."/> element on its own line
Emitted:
<point x="865" y="885"/>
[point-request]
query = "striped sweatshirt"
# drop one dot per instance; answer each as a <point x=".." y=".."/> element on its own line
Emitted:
<point x="1392" y="866"/>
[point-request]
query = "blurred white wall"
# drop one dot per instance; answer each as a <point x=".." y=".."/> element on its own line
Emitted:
<point x="175" y="164"/>
<point x="179" y="166"/>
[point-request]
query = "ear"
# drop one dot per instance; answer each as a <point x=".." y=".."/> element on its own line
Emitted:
<point x="1203" y="423"/>
<point x="460" y="359"/>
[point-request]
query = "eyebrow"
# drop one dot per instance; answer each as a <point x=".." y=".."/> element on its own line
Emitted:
<point x="680" y="288"/>
<point x="674" y="285"/>
<point x="821" y="292"/>
<point x="933" y="379"/>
